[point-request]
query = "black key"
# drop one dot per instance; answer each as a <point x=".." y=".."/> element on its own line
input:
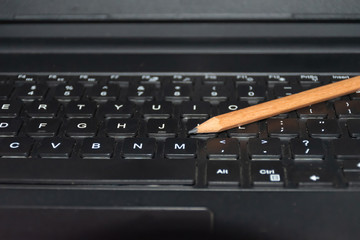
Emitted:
<point x="351" y="165"/>
<point x="283" y="127"/>
<point x="267" y="173"/>
<point x="213" y="80"/>
<point x="180" y="148"/>
<point x="87" y="80"/>
<point x="225" y="107"/>
<point x="214" y="93"/>
<point x="41" y="109"/>
<point x="311" y="176"/>
<point x="346" y="148"/>
<point x="97" y="148"/>
<point x="347" y="109"/>
<point x="14" y="147"/>
<point x="248" y="80"/>
<point x="42" y="127"/>
<point x="319" y="110"/>
<point x="104" y="92"/>
<point x="251" y="93"/>
<point x="195" y="109"/>
<point x="177" y="92"/>
<point x="25" y="79"/>
<point x="326" y="128"/>
<point x="141" y="93"/>
<point x="307" y="80"/>
<point x="307" y="149"/>
<point x="55" y="80"/>
<point x="356" y="95"/>
<point x="5" y="91"/>
<point x="151" y="79"/>
<point x="223" y="173"/>
<point x="277" y="79"/>
<point x="81" y="128"/>
<point x="246" y="131"/>
<point x="68" y="92"/>
<point x="285" y="90"/>
<point x="336" y="78"/>
<point x="222" y="148"/>
<point x="122" y="81"/>
<point x="80" y="109"/>
<point x="176" y="79"/>
<point x="121" y="128"/>
<point x="9" y="126"/>
<point x="57" y="147"/>
<point x="159" y="109"/>
<point x="163" y="128"/>
<point x="10" y="108"/>
<point x="117" y="109"/>
<point x="30" y="92"/>
<point x="353" y="126"/>
<point x="138" y="148"/>
<point x="267" y="148"/>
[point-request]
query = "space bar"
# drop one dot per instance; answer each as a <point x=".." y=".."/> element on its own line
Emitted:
<point x="98" y="171"/>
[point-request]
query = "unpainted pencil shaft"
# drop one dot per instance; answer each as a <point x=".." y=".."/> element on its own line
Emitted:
<point x="281" y="105"/>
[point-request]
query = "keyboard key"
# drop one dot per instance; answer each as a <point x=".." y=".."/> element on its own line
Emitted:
<point x="285" y="90"/>
<point x="87" y="80"/>
<point x="251" y="93"/>
<point x="10" y="108"/>
<point x="102" y="93"/>
<point x="9" y="127"/>
<point x="246" y="131"/>
<point x="308" y="80"/>
<point x="180" y="148"/>
<point x="266" y="148"/>
<point x="248" y="80"/>
<point x="68" y="92"/>
<point x="176" y="79"/>
<point x="347" y="109"/>
<point x="192" y="123"/>
<point x="353" y="126"/>
<point x="5" y="91"/>
<point x="213" y="80"/>
<point x="277" y="79"/>
<point x="346" y="148"/>
<point x="80" y="109"/>
<point x="225" y="107"/>
<point x="159" y="109"/>
<point x="195" y="109"/>
<point x="307" y="149"/>
<point x="55" y="80"/>
<point x="81" y="128"/>
<point x="15" y="147"/>
<point x="319" y="110"/>
<point x="121" y="128"/>
<point x="21" y="79"/>
<point x="336" y="78"/>
<point x="141" y="93"/>
<point x="222" y="149"/>
<point x="41" y="109"/>
<point x="97" y="148"/>
<point x="30" y="92"/>
<point x="177" y="92"/>
<point x="214" y="93"/>
<point x="56" y="147"/>
<point x="42" y="127"/>
<point x="267" y="173"/>
<point x="151" y="79"/>
<point x="223" y="173"/>
<point x="309" y="176"/>
<point x="117" y="109"/>
<point x="326" y="128"/>
<point x="163" y="128"/>
<point x="283" y="127"/>
<point x="139" y="148"/>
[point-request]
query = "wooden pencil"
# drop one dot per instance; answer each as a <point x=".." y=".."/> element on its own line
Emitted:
<point x="281" y="105"/>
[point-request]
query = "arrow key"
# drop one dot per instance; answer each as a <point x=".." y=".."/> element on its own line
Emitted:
<point x="311" y="177"/>
<point x="223" y="173"/>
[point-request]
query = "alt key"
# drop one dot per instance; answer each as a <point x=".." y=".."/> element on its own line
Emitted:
<point x="223" y="173"/>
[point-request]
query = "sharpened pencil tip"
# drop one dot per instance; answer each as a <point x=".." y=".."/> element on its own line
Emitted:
<point x="193" y="131"/>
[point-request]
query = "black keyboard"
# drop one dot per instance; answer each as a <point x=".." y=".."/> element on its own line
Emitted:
<point x="65" y="128"/>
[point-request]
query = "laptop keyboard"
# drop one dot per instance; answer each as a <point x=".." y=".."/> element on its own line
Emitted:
<point x="132" y="130"/>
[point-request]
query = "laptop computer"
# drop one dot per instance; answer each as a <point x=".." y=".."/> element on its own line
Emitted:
<point x="96" y="101"/>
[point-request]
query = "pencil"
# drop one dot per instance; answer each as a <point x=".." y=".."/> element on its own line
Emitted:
<point x="281" y="105"/>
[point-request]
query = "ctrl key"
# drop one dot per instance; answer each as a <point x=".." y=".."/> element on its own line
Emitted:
<point x="223" y="173"/>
